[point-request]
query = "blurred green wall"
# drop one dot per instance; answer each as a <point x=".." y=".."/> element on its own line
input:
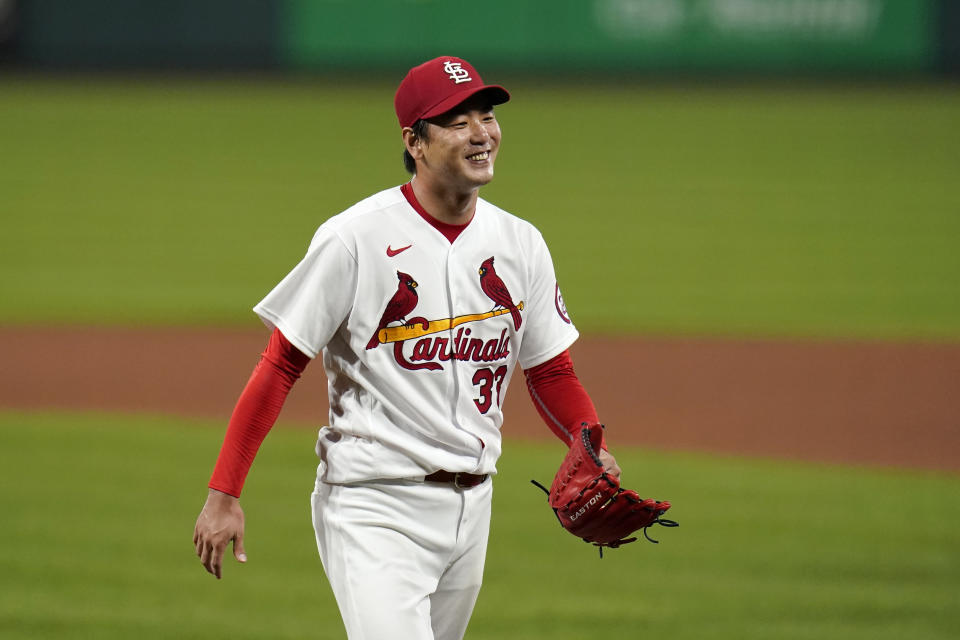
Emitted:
<point x="639" y="35"/>
<point x="537" y="36"/>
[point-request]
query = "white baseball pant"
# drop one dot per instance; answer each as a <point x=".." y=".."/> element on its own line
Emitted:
<point x="404" y="558"/>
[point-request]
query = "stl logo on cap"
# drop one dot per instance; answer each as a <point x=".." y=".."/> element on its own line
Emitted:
<point x="457" y="73"/>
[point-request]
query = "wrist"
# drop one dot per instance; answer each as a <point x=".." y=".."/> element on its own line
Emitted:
<point x="216" y="495"/>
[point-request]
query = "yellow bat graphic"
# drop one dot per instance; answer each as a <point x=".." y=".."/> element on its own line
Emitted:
<point x="409" y="332"/>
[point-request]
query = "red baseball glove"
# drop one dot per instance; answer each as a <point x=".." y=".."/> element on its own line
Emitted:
<point x="590" y="503"/>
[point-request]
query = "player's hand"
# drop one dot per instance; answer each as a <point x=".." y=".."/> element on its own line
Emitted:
<point x="609" y="463"/>
<point x="220" y="521"/>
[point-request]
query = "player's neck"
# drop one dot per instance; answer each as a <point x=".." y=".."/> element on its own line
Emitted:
<point x="446" y="205"/>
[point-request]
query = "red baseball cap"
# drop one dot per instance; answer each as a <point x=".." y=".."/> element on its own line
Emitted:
<point x="438" y="85"/>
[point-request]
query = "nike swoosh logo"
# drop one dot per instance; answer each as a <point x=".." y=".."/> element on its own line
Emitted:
<point x="393" y="252"/>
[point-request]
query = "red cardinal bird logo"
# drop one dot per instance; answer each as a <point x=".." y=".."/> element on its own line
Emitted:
<point x="493" y="286"/>
<point x="400" y="305"/>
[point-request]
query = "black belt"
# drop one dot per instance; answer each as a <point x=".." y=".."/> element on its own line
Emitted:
<point x="460" y="480"/>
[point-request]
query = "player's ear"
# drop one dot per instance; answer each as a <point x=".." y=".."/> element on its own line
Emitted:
<point x="412" y="142"/>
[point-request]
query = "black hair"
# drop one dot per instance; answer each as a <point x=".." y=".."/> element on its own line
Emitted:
<point x="420" y="131"/>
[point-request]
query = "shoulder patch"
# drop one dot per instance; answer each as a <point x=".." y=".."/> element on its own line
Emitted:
<point x="560" y="304"/>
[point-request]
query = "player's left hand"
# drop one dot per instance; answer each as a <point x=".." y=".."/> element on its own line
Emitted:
<point x="610" y="464"/>
<point x="219" y="523"/>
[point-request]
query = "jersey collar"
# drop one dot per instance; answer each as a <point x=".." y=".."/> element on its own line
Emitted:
<point x="449" y="231"/>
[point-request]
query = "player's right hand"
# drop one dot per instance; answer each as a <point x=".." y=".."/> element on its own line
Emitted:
<point x="220" y="521"/>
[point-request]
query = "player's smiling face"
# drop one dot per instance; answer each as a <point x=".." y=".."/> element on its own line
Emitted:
<point x="461" y="146"/>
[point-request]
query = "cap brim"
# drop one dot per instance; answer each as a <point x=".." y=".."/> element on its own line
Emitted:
<point x="497" y="94"/>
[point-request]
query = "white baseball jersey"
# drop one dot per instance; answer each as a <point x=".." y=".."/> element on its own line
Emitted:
<point x="419" y="335"/>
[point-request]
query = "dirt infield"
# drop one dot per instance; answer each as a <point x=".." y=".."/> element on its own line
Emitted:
<point x="863" y="403"/>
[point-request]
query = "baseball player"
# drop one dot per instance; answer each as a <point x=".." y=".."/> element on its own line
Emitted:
<point x="423" y="300"/>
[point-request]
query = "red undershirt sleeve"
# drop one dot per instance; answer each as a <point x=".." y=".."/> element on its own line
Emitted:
<point x="256" y="411"/>
<point x="559" y="397"/>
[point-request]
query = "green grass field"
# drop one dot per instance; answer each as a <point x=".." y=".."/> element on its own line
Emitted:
<point x="727" y="210"/>
<point x="748" y="211"/>
<point x="98" y="513"/>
